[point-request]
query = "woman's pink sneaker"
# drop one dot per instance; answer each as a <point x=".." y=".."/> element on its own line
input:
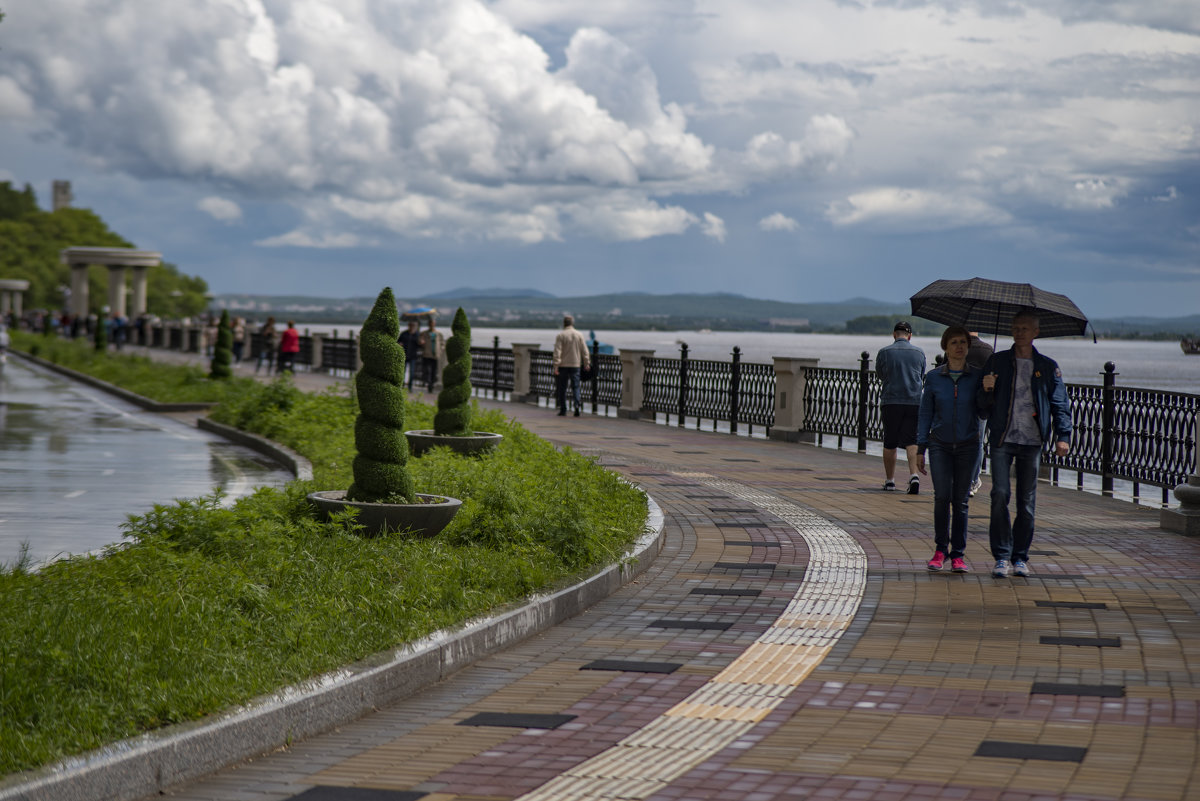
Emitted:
<point x="959" y="565"/>
<point x="937" y="561"/>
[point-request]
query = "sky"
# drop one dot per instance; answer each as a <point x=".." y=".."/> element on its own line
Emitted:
<point x="804" y="151"/>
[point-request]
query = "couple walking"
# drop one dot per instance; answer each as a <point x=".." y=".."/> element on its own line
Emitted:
<point x="1021" y="395"/>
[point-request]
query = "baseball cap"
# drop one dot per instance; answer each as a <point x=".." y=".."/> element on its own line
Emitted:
<point x="903" y="326"/>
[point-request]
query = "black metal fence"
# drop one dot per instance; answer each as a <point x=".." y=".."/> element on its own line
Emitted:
<point x="1142" y="436"/>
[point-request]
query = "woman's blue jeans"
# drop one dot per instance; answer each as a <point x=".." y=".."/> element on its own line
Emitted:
<point x="1010" y="539"/>
<point x="953" y="470"/>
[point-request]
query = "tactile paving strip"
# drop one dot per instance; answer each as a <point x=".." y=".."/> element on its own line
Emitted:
<point x="745" y="692"/>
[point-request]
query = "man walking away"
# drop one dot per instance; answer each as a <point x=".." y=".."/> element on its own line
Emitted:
<point x="1027" y="405"/>
<point x="570" y="354"/>
<point x="901" y="369"/>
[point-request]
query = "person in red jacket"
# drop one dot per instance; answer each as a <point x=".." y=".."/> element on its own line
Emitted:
<point x="289" y="346"/>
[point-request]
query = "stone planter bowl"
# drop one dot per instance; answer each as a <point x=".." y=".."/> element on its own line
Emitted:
<point x="415" y="519"/>
<point x="476" y="443"/>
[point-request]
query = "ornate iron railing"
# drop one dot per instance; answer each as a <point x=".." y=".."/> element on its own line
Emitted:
<point x="704" y="389"/>
<point x="491" y="369"/>
<point x="605" y="387"/>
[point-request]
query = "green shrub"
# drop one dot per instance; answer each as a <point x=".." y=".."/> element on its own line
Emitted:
<point x="100" y="338"/>
<point x="381" y="460"/>
<point x="453" y="418"/>
<point x="222" y="356"/>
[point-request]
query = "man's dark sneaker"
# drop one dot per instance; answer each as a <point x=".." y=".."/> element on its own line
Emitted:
<point x="1020" y="568"/>
<point x="914" y="486"/>
<point x="937" y="561"/>
<point x="562" y="412"/>
<point x="576" y="412"/>
<point x="889" y="485"/>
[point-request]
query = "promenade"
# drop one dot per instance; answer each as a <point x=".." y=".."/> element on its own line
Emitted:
<point x="788" y="642"/>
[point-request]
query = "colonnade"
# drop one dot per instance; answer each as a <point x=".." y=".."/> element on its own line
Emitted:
<point x="117" y="260"/>
<point x="12" y="292"/>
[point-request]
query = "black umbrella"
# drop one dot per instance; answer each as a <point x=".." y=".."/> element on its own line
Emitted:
<point x="980" y="304"/>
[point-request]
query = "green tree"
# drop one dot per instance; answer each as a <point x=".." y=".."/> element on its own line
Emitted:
<point x="13" y="204"/>
<point x="223" y="351"/>
<point x="453" y="418"/>
<point x="381" y="462"/>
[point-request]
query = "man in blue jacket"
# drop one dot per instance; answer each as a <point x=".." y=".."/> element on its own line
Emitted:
<point x="901" y="369"/>
<point x="1027" y="407"/>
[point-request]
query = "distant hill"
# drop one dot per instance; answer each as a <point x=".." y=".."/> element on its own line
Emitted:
<point x="463" y="293"/>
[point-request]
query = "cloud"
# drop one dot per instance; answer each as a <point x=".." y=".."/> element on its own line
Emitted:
<point x="912" y="210"/>
<point x="303" y="239"/>
<point x="1169" y="196"/>
<point x="713" y="227"/>
<point x="220" y="209"/>
<point x="778" y="222"/>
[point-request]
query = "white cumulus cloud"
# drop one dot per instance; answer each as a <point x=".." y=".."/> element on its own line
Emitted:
<point x="778" y="222"/>
<point x="913" y="210"/>
<point x="713" y="227"/>
<point x="220" y="208"/>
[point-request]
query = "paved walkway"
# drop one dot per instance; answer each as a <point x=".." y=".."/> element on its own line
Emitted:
<point x="789" y="643"/>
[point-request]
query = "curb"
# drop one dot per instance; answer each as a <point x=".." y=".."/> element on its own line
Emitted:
<point x="132" y="397"/>
<point x="301" y="468"/>
<point x="154" y="762"/>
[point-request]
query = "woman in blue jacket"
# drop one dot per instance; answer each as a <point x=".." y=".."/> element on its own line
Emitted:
<point x="948" y="428"/>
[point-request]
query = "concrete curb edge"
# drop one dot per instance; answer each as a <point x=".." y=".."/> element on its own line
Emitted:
<point x="154" y="762"/>
<point x="301" y="468"/>
<point x="132" y="397"/>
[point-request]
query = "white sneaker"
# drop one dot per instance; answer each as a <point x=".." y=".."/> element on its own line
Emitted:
<point x="1020" y="568"/>
<point x="1001" y="568"/>
<point x="976" y="485"/>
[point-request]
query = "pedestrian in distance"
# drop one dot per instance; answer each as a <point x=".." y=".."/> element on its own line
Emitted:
<point x="239" y="339"/>
<point x="977" y="355"/>
<point x="432" y="345"/>
<point x="948" y="430"/>
<point x="410" y="340"/>
<point x="1028" y="408"/>
<point x="289" y="348"/>
<point x="269" y="342"/>
<point x="570" y="356"/>
<point x="901" y="369"/>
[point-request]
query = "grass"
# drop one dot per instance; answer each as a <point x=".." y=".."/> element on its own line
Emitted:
<point x="204" y="607"/>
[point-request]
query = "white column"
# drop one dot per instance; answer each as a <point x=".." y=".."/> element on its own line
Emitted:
<point x="633" y="374"/>
<point x="523" y="370"/>
<point x="1185" y="519"/>
<point x="116" y="289"/>
<point x="5" y="301"/>
<point x="79" y="290"/>
<point x="790" y="411"/>
<point x="318" y="351"/>
<point x="139" y="291"/>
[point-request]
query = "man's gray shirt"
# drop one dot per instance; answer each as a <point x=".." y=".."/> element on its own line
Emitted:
<point x="901" y="368"/>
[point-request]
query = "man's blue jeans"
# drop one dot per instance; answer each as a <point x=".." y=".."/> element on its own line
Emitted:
<point x="1010" y="540"/>
<point x="952" y="467"/>
<point x="568" y="375"/>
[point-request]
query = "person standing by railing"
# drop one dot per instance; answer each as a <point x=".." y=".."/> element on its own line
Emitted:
<point x="570" y="355"/>
<point x="1027" y="405"/>
<point x="270" y="340"/>
<point x="410" y="340"/>
<point x="901" y="369"/>
<point x="948" y="427"/>
<point x="289" y="348"/>
<point x="432" y="346"/>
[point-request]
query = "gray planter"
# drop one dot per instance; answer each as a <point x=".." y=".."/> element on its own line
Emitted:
<point x="415" y="519"/>
<point x="472" y="445"/>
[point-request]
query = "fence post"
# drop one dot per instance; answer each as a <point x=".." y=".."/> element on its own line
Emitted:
<point x="495" y="367"/>
<point x="683" y="377"/>
<point x="791" y="379"/>
<point x="633" y="373"/>
<point x="523" y="372"/>
<point x="318" y="352"/>
<point x="1186" y="519"/>
<point x="1107" y="413"/>
<point x="864" y="377"/>
<point x="595" y="376"/>
<point x="735" y="383"/>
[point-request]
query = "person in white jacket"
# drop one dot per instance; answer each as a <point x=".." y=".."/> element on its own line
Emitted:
<point x="570" y="355"/>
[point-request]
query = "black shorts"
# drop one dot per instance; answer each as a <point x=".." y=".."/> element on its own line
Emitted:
<point x="899" y="425"/>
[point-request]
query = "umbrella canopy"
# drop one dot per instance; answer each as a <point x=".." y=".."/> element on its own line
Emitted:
<point x="980" y="304"/>
<point x="419" y="311"/>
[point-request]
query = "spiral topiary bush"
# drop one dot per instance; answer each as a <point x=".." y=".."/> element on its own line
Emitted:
<point x="100" y="338"/>
<point x="453" y="418"/>
<point x="222" y="359"/>
<point x="381" y="463"/>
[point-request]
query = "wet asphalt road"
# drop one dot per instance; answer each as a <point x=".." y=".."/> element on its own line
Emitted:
<point x="75" y="462"/>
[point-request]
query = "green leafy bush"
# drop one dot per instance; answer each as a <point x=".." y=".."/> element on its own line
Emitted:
<point x="222" y="358"/>
<point x="100" y="338"/>
<point x="381" y="460"/>
<point x="453" y="418"/>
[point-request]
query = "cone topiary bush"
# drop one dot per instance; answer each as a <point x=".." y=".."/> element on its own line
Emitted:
<point x="101" y="335"/>
<point x="453" y="418"/>
<point x="222" y="359"/>
<point x="381" y="463"/>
